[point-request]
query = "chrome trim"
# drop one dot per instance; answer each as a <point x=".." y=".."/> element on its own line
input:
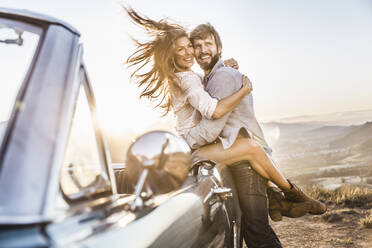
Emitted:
<point x="23" y="14"/>
<point x="101" y="142"/>
<point x="64" y="133"/>
<point x="138" y="203"/>
<point x="219" y="193"/>
<point x="235" y="234"/>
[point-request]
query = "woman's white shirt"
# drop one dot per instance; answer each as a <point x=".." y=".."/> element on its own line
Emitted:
<point x="190" y="101"/>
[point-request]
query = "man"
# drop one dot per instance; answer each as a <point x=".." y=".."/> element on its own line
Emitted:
<point x="220" y="82"/>
<point x="251" y="187"/>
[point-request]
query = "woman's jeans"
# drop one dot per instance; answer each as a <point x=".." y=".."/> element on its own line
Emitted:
<point x="251" y="188"/>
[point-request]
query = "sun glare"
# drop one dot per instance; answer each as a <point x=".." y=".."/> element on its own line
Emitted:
<point x="119" y="115"/>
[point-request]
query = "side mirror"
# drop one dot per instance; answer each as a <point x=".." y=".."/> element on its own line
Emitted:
<point x="158" y="162"/>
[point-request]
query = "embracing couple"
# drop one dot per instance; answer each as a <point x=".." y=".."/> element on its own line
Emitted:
<point x="215" y="116"/>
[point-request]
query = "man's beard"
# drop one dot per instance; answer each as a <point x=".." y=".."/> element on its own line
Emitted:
<point x="209" y="67"/>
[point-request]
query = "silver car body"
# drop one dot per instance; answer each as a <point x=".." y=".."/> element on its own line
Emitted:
<point x="32" y="154"/>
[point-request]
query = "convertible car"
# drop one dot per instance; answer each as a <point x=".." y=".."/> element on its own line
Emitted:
<point x="58" y="187"/>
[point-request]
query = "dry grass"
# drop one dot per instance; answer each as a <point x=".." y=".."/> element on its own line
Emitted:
<point x="342" y="241"/>
<point x="345" y="196"/>
<point x="366" y="221"/>
<point x="332" y="217"/>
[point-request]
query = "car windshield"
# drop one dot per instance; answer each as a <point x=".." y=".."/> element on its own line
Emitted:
<point x="18" y="43"/>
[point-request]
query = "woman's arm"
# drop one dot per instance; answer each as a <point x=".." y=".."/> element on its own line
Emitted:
<point x="210" y="107"/>
<point x="229" y="103"/>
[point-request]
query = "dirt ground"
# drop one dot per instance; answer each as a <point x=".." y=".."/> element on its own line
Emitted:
<point x="341" y="229"/>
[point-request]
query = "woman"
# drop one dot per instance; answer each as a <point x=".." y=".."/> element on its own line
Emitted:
<point x="171" y="80"/>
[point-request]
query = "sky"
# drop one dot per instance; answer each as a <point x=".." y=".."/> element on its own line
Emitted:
<point x="303" y="57"/>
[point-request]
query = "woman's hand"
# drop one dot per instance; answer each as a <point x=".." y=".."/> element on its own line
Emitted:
<point x="231" y="63"/>
<point x="246" y="85"/>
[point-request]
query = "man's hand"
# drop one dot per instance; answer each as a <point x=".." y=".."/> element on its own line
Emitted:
<point x="246" y="84"/>
<point x="231" y="63"/>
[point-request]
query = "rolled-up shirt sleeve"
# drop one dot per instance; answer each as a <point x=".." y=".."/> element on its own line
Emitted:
<point x="197" y="96"/>
<point x="220" y="86"/>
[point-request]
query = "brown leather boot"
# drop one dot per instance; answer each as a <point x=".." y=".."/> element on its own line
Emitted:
<point x="294" y="209"/>
<point x="275" y="196"/>
<point x="279" y="207"/>
<point x="295" y="194"/>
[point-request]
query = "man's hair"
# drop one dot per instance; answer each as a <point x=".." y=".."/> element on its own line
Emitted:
<point x="202" y="31"/>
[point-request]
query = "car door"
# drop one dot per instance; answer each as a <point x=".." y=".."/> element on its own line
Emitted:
<point x="203" y="213"/>
<point x="221" y="221"/>
<point x="189" y="217"/>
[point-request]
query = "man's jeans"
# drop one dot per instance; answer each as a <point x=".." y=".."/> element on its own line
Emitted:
<point x="251" y="188"/>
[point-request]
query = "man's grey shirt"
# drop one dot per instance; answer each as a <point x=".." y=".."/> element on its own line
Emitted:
<point x="222" y="82"/>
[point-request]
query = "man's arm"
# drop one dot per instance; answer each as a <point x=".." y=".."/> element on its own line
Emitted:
<point x="222" y="84"/>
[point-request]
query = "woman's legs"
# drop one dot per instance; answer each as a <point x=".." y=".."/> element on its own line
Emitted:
<point x="246" y="149"/>
<point x="251" y="150"/>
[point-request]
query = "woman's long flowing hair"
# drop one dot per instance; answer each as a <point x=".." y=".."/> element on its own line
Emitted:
<point x="154" y="60"/>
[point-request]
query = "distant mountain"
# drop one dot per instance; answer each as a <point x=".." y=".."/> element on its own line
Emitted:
<point x="356" y="135"/>
<point x="330" y="132"/>
<point x="365" y="148"/>
<point x="340" y="118"/>
<point x="290" y="129"/>
<point x="323" y="149"/>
